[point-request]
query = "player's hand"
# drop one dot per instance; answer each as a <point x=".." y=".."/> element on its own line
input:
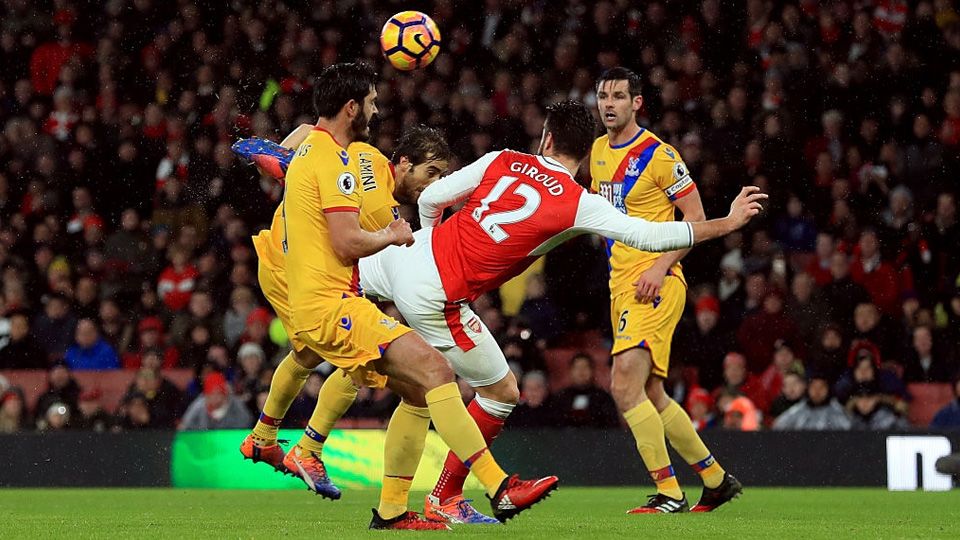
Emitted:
<point x="745" y="206"/>
<point x="649" y="284"/>
<point x="400" y="233"/>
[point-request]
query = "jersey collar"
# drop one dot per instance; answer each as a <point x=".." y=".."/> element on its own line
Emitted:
<point x="318" y="128"/>
<point x="552" y="163"/>
<point x="628" y="143"/>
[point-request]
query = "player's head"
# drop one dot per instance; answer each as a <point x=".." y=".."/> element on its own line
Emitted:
<point x="421" y="156"/>
<point x="568" y="130"/>
<point x="618" y="98"/>
<point x="347" y="89"/>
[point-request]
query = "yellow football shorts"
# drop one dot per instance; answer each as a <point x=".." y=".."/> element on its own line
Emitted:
<point x="357" y="334"/>
<point x="649" y="326"/>
<point x="273" y="284"/>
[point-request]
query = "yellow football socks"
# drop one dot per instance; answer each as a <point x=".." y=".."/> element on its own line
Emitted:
<point x="687" y="443"/>
<point x="336" y="396"/>
<point x="406" y="436"/>
<point x="288" y="380"/>
<point x="647" y="429"/>
<point x="460" y="432"/>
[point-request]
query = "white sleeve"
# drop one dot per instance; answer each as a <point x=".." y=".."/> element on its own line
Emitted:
<point x="598" y="216"/>
<point x="452" y="189"/>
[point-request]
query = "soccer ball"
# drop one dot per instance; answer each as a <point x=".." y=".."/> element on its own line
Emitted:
<point x="410" y="40"/>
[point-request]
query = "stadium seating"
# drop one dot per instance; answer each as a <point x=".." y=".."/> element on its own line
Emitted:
<point x="558" y="365"/>
<point x="113" y="384"/>
<point x="928" y="398"/>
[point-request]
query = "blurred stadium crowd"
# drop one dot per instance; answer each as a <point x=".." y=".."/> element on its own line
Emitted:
<point x="125" y="219"/>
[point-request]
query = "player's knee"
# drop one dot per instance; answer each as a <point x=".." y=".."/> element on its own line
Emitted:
<point x="436" y="369"/>
<point x="444" y="371"/>
<point x="412" y="395"/>
<point x="626" y="388"/>
<point x="510" y="394"/>
<point x="622" y="377"/>
<point x="619" y="389"/>
<point x="504" y="391"/>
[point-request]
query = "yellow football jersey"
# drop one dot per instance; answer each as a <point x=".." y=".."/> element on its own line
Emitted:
<point x="378" y="207"/>
<point x="641" y="178"/>
<point x="321" y="179"/>
<point x="377" y="182"/>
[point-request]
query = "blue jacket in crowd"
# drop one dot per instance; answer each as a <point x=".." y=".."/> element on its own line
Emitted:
<point x="947" y="417"/>
<point x="100" y="356"/>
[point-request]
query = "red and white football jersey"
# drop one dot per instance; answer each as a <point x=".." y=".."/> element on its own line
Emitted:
<point x="518" y="207"/>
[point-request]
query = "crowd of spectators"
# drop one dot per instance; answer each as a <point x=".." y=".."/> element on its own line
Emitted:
<point x="125" y="219"/>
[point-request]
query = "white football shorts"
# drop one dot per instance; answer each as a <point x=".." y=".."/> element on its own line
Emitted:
<point x="408" y="277"/>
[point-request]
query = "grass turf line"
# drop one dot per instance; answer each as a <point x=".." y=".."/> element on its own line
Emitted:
<point x="583" y="513"/>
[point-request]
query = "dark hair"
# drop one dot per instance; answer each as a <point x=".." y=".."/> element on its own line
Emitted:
<point x="573" y="128"/>
<point x="634" y="85"/>
<point x="340" y="83"/>
<point x="419" y="143"/>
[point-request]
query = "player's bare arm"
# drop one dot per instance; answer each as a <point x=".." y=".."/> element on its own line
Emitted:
<point x="351" y="242"/>
<point x="748" y="204"/>
<point x="599" y="217"/>
<point x="649" y="284"/>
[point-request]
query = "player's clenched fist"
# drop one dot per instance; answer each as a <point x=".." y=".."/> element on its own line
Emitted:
<point x="400" y="232"/>
<point x="746" y="205"/>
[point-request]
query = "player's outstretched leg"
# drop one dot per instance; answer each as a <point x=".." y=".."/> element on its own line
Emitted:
<point x="413" y="362"/>
<point x="489" y="410"/>
<point x="402" y="449"/>
<point x="306" y="458"/>
<point x="446" y="502"/>
<point x="288" y="379"/>
<point x="631" y="369"/>
<point x="719" y="486"/>
<point x="269" y="156"/>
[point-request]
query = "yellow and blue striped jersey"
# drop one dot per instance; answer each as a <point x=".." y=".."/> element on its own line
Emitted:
<point x="641" y="178"/>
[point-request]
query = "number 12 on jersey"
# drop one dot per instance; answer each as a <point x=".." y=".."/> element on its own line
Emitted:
<point x="492" y="223"/>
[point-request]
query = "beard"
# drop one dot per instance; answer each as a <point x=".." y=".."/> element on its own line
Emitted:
<point x="360" y="128"/>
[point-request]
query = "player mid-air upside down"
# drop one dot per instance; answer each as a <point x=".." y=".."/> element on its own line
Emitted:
<point x="313" y="281"/>
<point x="518" y="206"/>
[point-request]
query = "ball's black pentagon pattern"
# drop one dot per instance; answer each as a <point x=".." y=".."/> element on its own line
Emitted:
<point x="418" y="57"/>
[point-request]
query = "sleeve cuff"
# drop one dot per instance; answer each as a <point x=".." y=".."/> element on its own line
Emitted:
<point x="334" y="209"/>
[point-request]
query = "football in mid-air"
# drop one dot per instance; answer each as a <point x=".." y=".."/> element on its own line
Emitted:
<point x="410" y="40"/>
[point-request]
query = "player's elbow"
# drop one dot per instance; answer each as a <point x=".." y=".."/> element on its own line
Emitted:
<point x="695" y="214"/>
<point x="429" y="219"/>
<point x="664" y="236"/>
<point x="346" y="248"/>
<point x="346" y="236"/>
<point x="426" y="205"/>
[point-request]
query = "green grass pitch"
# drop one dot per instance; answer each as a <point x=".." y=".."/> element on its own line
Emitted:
<point x="582" y="513"/>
